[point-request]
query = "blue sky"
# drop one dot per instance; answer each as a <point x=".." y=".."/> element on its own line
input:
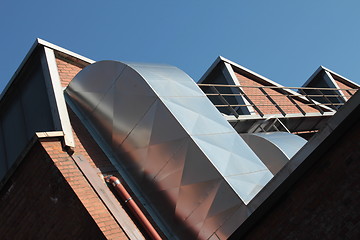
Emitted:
<point x="284" y="40"/>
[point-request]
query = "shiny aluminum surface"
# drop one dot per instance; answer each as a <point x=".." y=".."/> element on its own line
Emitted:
<point x="275" y="149"/>
<point x="188" y="161"/>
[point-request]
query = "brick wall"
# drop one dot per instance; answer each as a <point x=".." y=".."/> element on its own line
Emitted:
<point x="67" y="70"/>
<point x="324" y="203"/>
<point x="259" y="99"/>
<point x="343" y="86"/>
<point x="38" y="203"/>
<point x="83" y="190"/>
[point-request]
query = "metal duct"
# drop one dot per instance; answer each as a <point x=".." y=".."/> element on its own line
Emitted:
<point x="186" y="159"/>
<point x="275" y="149"/>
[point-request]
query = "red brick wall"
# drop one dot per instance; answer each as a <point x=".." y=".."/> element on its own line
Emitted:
<point x="83" y="190"/>
<point x="259" y="99"/>
<point x="324" y="203"/>
<point x="343" y="86"/>
<point x="67" y="71"/>
<point x="38" y="203"/>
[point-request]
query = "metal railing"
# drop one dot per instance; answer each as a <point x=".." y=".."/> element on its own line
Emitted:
<point x="243" y="100"/>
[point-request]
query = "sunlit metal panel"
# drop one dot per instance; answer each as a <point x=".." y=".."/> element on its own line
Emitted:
<point x="275" y="149"/>
<point x="186" y="158"/>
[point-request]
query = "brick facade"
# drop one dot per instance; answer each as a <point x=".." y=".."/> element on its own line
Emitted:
<point x="37" y="202"/>
<point x="324" y="203"/>
<point x="67" y="70"/>
<point x="83" y="190"/>
<point x="264" y="104"/>
<point x="344" y="86"/>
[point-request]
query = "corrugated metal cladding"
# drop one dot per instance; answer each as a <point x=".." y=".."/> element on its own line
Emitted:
<point x="25" y="109"/>
<point x="190" y="163"/>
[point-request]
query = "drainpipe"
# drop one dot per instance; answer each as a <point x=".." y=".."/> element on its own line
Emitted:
<point x="134" y="208"/>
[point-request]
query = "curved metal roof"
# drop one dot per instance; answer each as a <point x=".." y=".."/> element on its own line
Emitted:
<point x="177" y="147"/>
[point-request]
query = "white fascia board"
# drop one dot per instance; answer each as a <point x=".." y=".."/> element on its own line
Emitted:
<point x="254" y="73"/>
<point x="318" y="70"/>
<point x="41" y="42"/>
<point x="222" y="59"/>
<point x="330" y="80"/>
<point x="335" y="85"/>
<point x="230" y="70"/>
<point x="55" y="91"/>
<point x="261" y="77"/>
<point x="63" y="50"/>
<point x="49" y="134"/>
<point x="342" y="78"/>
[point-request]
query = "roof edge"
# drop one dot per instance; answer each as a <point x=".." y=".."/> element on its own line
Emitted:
<point x="320" y="68"/>
<point x="254" y="74"/>
<point x="340" y="76"/>
<point x="63" y="50"/>
<point x="40" y="42"/>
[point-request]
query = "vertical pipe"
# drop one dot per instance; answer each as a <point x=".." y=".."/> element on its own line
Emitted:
<point x="134" y="208"/>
